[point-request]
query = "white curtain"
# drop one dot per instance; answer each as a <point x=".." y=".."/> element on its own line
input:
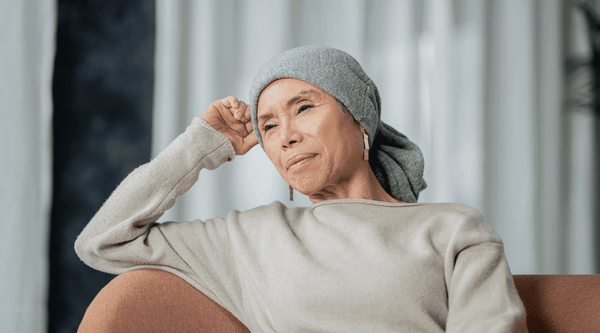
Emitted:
<point x="27" y="31"/>
<point x="477" y="85"/>
<point x="581" y="147"/>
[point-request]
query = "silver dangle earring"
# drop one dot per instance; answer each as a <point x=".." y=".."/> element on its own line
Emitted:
<point x="291" y="193"/>
<point x="366" y="151"/>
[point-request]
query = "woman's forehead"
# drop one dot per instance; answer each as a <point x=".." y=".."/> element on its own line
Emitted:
<point x="286" y="91"/>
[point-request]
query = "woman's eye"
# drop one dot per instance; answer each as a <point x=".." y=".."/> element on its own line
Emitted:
<point x="267" y="127"/>
<point x="304" y="107"/>
<point x="301" y="108"/>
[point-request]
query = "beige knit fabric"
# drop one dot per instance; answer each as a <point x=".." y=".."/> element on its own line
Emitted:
<point x="348" y="265"/>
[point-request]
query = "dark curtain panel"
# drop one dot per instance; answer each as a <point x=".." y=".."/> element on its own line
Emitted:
<point x="102" y="93"/>
<point x="594" y="24"/>
<point x="583" y="84"/>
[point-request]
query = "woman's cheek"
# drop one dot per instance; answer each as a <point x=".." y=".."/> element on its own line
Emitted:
<point x="273" y="156"/>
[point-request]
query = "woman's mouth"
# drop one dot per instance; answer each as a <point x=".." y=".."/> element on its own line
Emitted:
<point x="300" y="161"/>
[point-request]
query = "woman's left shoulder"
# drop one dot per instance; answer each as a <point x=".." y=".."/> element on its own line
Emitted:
<point x="465" y="220"/>
<point x="454" y="209"/>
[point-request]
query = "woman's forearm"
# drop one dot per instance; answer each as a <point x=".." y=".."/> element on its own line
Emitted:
<point x="144" y="195"/>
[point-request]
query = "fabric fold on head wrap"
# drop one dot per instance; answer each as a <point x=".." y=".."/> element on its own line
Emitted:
<point x="396" y="161"/>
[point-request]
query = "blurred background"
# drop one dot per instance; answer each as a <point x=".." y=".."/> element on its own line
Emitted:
<point x="501" y="97"/>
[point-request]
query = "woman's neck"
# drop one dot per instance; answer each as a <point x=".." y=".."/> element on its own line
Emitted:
<point x="362" y="185"/>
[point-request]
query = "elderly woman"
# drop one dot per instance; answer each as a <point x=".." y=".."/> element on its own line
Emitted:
<point x="365" y="257"/>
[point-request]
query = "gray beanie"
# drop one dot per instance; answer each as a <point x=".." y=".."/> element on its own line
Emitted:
<point x="396" y="161"/>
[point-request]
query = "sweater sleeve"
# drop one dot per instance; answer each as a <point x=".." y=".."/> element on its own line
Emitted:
<point x="124" y="234"/>
<point x="482" y="296"/>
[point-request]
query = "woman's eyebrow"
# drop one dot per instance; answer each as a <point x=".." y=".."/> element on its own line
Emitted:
<point x="297" y="97"/>
<point x="289" y="103"/>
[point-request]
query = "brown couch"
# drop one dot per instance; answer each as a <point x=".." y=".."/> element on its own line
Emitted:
<point x="152" y="300"/>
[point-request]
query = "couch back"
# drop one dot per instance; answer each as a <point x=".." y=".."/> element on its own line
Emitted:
<point x="153" y="300"/>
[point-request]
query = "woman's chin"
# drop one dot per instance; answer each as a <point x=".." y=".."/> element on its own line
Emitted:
<point x="307" y="183"/>
<point x="304" y="188"/>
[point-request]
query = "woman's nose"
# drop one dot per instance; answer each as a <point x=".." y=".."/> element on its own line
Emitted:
<point x="289" y="134"/>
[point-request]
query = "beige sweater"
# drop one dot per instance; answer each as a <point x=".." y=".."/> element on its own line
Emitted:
<point x="348" y="265"/>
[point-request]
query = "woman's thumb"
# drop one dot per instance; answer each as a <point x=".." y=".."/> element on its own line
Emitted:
<point x="249" y="141"/>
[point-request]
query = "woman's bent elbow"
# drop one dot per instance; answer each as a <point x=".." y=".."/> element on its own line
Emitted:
<point x="84" y="250"/>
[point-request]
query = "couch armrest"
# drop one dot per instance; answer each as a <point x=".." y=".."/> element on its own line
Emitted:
<point x="560" y="303"/>
<point x="153" y="300"/>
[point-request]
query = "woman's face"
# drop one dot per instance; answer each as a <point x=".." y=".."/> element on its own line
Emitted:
<point x="301" y="122"/>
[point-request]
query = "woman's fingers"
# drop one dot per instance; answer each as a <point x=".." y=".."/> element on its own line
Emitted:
<point x="225" y="102"/>
<point x="234" y="111"/>
<point x="244" y="113"/>
<point x="232" y="118"/>
<point x="230" y="102"/>
<point x="240" y="111"/>
<point x="248" y="113"/>
<point x="225" y="111"/>
<point x="249" y="127"/>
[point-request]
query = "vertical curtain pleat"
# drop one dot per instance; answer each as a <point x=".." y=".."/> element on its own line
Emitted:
<point x="510" y="130"/>
<point x="27" y="30"/>
<point x="550" y="136"/>
<point x="580" y="153"/>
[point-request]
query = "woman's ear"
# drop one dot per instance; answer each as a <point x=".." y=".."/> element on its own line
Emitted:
<point x="361" y="137"/>
<point x="362" y="130"/>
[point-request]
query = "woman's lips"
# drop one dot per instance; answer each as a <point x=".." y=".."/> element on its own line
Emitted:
<point x="300" y="160"/>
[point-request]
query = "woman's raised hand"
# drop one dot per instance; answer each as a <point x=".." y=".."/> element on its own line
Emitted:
<point x="233" y="119"/>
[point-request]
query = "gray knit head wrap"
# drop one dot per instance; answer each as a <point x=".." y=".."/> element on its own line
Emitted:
<point x="396" y="161"/>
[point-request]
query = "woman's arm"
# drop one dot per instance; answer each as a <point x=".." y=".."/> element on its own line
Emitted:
<point x="124" y="235"/>
<point x="121" y="234"/>
<point x="481" y="292"/>
<point x="116" y="237"/>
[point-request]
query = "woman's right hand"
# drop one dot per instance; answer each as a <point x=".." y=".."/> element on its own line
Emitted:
<point x="233" y="119"/>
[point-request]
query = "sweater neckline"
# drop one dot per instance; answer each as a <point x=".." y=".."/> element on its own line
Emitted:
<point x="364" y="202"/>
